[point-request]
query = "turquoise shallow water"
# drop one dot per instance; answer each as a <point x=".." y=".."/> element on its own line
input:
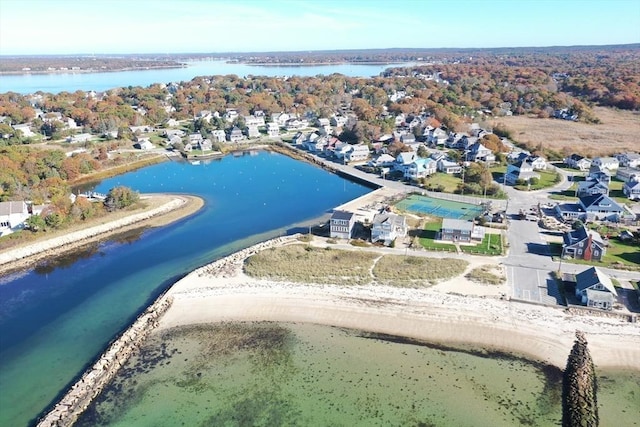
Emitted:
<point x="56" y="318"/>
<point x="266" y="374"/>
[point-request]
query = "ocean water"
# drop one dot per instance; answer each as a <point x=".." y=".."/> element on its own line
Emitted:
<point x="57" y="317"/>
<point x="70" y="82"/>
<point x="271" y="374"/>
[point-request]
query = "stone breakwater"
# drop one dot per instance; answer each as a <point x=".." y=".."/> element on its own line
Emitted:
<point x="45" y="247"/>
<point x="93" y="381"/>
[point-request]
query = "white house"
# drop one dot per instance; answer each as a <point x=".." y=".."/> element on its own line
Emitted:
<point x="577" y="161"/>
<point x="403" y="160"/>
<point x="81" y="137"/>
<point x="630" y="160"/>
<point x="522" y="170"/>
<point x="420" y="168"/>
<point x="12" y="216"/>
<point x="341" y="224"/>
<point x="449" y="167"/>
<point x="610" y="163"/>
<point x="631" y="189"/>
<point x="387" y="227"/>
<point x="538" y="163"/>
<point x="358" y="153"/>
<point x="218" y="135"/>
<point x="24" y="129"/>
<point x="595" y="289"/>
<point x="273" y="129"/>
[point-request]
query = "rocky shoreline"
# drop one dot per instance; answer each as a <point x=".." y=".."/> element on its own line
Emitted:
<point x="14" y="259"/>
<point x="92" y="382"/>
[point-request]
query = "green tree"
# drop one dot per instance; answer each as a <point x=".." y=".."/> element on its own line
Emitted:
<point x="120" y="198"/>
<point x="35" y="223"/>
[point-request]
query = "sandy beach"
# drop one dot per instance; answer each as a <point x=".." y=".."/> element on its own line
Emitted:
<point x="455" y="312"/>
<point x="162" y="209"/>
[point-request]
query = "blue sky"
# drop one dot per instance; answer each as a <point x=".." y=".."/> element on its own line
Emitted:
<point x="174" y="26"/>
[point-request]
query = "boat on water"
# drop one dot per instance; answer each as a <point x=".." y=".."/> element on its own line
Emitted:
<point x="195" y="162"/>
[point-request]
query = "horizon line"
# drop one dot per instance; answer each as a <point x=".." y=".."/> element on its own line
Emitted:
<point x="227" y="53"/>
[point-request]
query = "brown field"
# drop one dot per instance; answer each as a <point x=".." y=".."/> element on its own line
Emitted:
<point x="618" y="132"/>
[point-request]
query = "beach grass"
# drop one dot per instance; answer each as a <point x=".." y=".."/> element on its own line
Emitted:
<point x="411" y="271"/>
<point x="307" y="264"/>
<point x="486" y="274"/>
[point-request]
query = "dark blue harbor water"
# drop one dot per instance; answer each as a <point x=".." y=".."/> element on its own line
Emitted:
<point x="56" y="318"/>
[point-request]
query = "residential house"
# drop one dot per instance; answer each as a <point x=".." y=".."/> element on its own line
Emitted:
<point x="273" y="129"/>
<point x="570" y="211"/>
<point x="601" y="207"/>
<point x="479" y="153"/>
<point x="205" y="115"/>
<point x="204" y="145"/>
<point x="630" y="160"/>
<point x="387" y="227"/>
<point x="358" y="153"/>
<point x="254" y="120"/>
<point x="81" y="137"/>
<point x="195" y="138"/>
<point x="625" y="173"/>
<point x="521" y="171"/>
<point x="171" y="123"/>
<point x="598" y="173"/>
<point x="299" y="139"/>
<point x="591" y="188"/>
<point x="170" y="133"/>
<point x="235" y="135"/>
<point x="383" y="160"/>
<point x="408" y="138"/>
<point x="538" y="162"/>
<point x="420" y="168"/>
<point x="144" y="144"/>
<point x="230" y="115"/>
<point x="340" y="149"/>
<point x="24" y="129"/>
<point x="583" y="244"/>
<point x="595" y="289"/>
<point x="280" y="118"/>
<point x="460" y="231"/>
<point x="338" y="120"/>
<point x="218" y="135"/>
<point x="315" y="143"/>
<point x="577" y="161"/>
<point x="610" y="163"/>
<point x="252" y="131"/>
<point x="137" y="130"/>
<point x="341" y="224"/>
<point x="631" y="189"/>
<point x="449" y="167"/>
<point x="403" y="160"/>
<point x="436" y="137"/>
<point x="12" y="216"/>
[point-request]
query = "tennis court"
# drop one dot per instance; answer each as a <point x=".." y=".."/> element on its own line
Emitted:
<point x="440" y="208"/>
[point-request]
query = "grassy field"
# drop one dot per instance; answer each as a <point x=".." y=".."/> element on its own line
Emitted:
<point x="547" y="179"/>
<point x="619" y="254"/>
<point x="428" y="235"/>
<point x="449" y="182"/>
<point x="491" y="245"/>
<point x="617" y="133"/>
<point x="487" y="274"/>
<point x="306" y="264"/>
<point x="411" y="271"/>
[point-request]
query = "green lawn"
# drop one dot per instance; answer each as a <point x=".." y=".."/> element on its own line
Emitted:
<point x="428" y="235"/>
<point x="449" y="182"/>
<point x="547" y="179"/>
<point x="491" y="245"/>
<point x="619" y="254"/>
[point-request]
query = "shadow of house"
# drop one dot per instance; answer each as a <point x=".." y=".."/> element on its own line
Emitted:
<point x="538" y="249"/>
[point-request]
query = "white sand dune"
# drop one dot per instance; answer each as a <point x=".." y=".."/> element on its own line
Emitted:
<point x="221" y="292"/>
